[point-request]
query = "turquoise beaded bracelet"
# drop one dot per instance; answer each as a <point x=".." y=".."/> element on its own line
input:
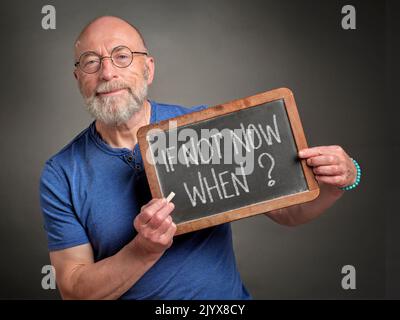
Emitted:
<point x="358" y="178"/>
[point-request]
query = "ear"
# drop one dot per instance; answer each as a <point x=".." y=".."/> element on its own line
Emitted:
<point x="75" y="75"/>
<point x="151" y="66"/>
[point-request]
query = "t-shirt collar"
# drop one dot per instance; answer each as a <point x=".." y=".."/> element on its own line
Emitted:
<point x="98" y="140"/>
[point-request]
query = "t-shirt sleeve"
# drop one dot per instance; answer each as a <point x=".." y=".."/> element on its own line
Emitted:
<point x="198" y="108"/>
<point x="63" y="227"/>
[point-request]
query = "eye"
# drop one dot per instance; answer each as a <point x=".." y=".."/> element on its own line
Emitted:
<point x="90" y="62"/>
<point x="122" y="56"/>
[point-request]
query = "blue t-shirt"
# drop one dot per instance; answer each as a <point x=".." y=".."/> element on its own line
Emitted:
<point x="91" y="193"/>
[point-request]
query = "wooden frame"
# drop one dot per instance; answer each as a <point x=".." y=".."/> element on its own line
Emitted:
<point x="222" y="109"/>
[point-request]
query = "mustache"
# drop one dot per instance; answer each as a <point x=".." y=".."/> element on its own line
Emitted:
<point x="111" y="86"/>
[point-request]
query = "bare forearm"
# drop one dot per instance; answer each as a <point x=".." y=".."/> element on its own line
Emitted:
<point x="305" y="212"/>
<point x="112" y="277"/>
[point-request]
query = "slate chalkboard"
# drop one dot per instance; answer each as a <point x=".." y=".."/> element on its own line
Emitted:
<point x="230" y="161"/>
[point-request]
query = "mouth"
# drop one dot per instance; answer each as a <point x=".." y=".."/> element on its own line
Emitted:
<point x="110" y="93"/>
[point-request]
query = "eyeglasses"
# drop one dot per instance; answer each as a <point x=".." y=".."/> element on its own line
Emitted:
<point x="121" y="57"/>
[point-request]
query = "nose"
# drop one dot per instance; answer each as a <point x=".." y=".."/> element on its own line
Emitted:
<point x="107" y="69"/>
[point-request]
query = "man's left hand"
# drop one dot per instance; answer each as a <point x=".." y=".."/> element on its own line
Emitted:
<point x="331" y="165"/>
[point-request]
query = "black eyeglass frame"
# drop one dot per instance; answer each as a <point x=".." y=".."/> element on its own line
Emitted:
<point x="78" y="65"/>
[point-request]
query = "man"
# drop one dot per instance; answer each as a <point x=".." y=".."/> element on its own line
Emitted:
<point x="107" y="238"/>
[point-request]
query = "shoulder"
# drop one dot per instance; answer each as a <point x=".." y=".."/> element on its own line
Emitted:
<point x="165" y="111"/>
<point x="68" y="155"/>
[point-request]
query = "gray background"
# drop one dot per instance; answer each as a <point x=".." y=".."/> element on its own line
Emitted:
<point x="208" y="53"/>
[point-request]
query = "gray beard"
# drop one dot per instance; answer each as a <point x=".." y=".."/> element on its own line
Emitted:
<point x="116" y="110"/>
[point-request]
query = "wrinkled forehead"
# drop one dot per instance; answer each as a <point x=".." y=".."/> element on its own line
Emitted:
<point x="103" y="40"/>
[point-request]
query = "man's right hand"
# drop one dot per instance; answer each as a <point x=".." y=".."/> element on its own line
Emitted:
<point x="80" y="277"/>
<point x="155" y="227"/>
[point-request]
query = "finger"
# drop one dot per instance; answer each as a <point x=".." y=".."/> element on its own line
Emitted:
<point x="318" y="151"/>
<point x="158" y="218"/>
<point x="169" y="234"/>
<point x="147" y="213"/>
<point x="324" y="160"/>
<point x="337" y="181"/>
<point x="149" y="203"/>
<point x="163" y="228"/>
<point x="334" y="170"/>
<point x="166" y="238"/>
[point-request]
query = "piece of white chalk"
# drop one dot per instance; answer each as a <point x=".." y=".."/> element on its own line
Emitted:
<point x="170" y="196"/>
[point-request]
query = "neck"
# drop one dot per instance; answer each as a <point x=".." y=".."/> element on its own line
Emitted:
<point x="124" y="135"/>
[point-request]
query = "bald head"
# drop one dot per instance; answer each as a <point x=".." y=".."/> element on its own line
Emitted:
<point x="105" y="28"/>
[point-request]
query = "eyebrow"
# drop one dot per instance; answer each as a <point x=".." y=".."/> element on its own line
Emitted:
<point x="120" y="45"/>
